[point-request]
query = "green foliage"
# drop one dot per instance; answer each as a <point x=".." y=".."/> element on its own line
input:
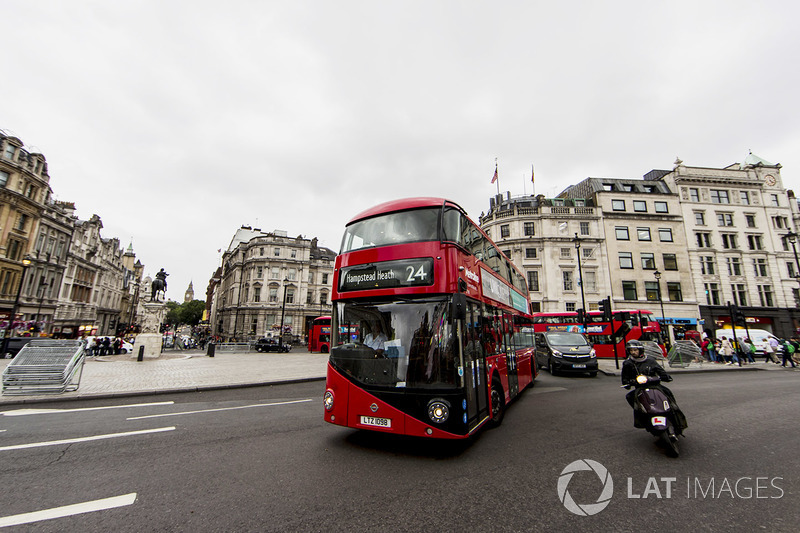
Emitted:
<point x="186" y="313"/>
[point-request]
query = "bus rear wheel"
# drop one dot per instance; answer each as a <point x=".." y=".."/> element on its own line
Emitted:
<point x="497" y="402"/>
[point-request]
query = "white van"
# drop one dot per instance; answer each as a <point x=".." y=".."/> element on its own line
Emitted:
<point x="760" y="337"/>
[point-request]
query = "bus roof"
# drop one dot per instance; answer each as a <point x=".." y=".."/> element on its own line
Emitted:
<point x="403" y="204"/>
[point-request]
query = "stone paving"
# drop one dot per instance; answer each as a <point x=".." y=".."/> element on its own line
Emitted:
<point x="123" y="375"/>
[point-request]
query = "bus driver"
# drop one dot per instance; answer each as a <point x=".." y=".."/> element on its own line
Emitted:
<point x="376" y="338"/>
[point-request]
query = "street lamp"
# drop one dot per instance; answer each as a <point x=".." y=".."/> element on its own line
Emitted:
<point x="657" y="274"/>
<point x="577" y="242"/>
<point x="42" y="286"/>
<point x="792" y="238"/>
<point x="25" y="264"/>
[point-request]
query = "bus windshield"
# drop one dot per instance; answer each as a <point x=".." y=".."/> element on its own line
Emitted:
<point x="416" y="225"/>
<point x="400" y="343"/>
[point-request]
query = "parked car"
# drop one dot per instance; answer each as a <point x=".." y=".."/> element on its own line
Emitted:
<point x="15" y="344"/>
<point x="268" y="344"/>
<point x="565" y="351"/>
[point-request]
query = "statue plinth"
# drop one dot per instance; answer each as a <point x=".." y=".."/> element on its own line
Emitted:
<point x="152" y="314"/>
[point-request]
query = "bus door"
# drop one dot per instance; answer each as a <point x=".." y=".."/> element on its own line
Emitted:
<point x="511" y="354"/>
<point x="474" y="368"/>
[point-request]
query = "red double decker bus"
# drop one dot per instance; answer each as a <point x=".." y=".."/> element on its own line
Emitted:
<point x="431" y="334"/>
<point x="319" y="335"/>
<point x="636" y="324"/>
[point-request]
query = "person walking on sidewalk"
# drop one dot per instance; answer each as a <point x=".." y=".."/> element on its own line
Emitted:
<point x="727" y="352"/>
<point x="788" y="350"/>
<point x="749" y="350"/>
<point x="770" y="350"/>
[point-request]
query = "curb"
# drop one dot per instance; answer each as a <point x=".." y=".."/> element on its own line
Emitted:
<point x="693" y="370"/>
<point x="111" y="395"/>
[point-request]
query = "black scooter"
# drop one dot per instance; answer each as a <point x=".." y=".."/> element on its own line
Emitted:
<point x="653" y="412"/>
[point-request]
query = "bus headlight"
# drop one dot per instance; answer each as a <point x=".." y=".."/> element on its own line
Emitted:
<point x="438" y="410"/>
<point x="327" y="400"/>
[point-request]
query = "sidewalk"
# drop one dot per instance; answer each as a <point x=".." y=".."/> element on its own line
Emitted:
<point x="192" y="370"/>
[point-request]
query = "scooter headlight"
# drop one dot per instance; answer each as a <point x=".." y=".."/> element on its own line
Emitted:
<point x="327" y="400"/>
<point x="641" y="380"/>
<point x="438" y="410"/>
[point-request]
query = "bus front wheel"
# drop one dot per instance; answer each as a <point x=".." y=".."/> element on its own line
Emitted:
<point x="498" y="403"/>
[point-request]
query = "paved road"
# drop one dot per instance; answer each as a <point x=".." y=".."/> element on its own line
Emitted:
<point x="261" y="459"/>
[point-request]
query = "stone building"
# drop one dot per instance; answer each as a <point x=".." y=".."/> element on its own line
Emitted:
<point x="266" y="276"/>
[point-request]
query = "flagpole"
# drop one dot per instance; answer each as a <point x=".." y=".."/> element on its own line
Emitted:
<point x="496" y="176"/>
<point x="533" y="185"/>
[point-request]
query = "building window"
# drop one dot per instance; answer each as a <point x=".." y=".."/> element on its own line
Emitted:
<point x="745" y="197"/>
<point x="9" y="153"/>
<point x="765" y="296"/>
<point x="750" y="220"/>
<point x="256" y="294"/>
<point x="760" y="267"/>
<point x="712" y="294"/>
<point x="622" y="233"/>
<point x="775" y="202"/>
<point x="790" y="269"/>
<point x="584" y="228"/>
<point x="651" y="290"/>
<point x="530" y="253"/>
<point x="566" y="253"/>
<point x="618" y="205"/>
<point x="699" y="218"/>
<point x="648" y="261"/>
<point x="643" y="234"/>
<point x="569" y="307"/>
<point x="629" y="290"/>
<point x="323" y="298"/>
<point x="276" y="252"/>
<point x="661" y="207"/>
<point x="289" y="296"/>
<point x="566" y="276"/>
<point x="3" y="178"/>
<point x="293" y="253"/>
<point x="504" y="231"/>
<point x="729" y="241"/>
<point x="724" y="219"/>
<point x="292" y="274"/>
<point x="275" y="273"/>
<point x="670" y="262"/>
<point x="589" y="281"/>
<point x="273" y="294"/>
<point x="739" y="294"/>
<point x="719" y="197"/>
<point x="21" y="221"/>
<point x="674" y="291"/>
<point x="529" y="228"/>
<point x="533" y="280"/>
<point x="665" y="234"/>
<point x="707" y="265"/>
<point x="734" y="266"/>
<point x="694" y="195"/>
<point x="625" y="260"/>
<point x="754" y="242"/>
<point x="640" y="206"/>
<point x="259" y="272"/>
<point x="324" y="279"/>
<point x="703" y="240"/>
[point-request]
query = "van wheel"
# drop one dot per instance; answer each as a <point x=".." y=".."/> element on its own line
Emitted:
<point x="498" y="404"/>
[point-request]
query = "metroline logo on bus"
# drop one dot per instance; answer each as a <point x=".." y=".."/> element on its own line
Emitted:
<point x="749" y="487"/>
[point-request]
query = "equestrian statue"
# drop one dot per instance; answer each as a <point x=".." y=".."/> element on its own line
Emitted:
<point x="159" y="285"/>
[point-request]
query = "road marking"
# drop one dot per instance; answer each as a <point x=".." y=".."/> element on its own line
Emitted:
<point x="84" y="439"/>
<point x="220" y="409"/>
<point x="25" y="412"/>
<point x="68" y="510"/>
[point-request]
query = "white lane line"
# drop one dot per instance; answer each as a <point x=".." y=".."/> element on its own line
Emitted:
<point x="220" y="409"/>
<point x="68" y="510"/>
<point x="84" y="439"/>
<point x="25" y="412"/>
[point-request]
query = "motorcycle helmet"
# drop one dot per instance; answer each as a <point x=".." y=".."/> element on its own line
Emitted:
<point x="635" y="350"/>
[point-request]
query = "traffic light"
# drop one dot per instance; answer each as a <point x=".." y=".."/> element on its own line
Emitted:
<point x="604" y="306"/>
<point x="581" y="316"/>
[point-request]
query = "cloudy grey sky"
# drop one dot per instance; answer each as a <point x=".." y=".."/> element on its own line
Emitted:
<point x="179" y="121"/>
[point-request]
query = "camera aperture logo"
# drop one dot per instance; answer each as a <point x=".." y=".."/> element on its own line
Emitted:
<point x="586" y="509"/>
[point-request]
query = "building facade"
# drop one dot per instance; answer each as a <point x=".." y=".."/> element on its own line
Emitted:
<point x="269" y="279"/>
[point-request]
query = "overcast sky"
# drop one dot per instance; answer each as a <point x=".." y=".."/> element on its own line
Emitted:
<point x="178" y="121"/>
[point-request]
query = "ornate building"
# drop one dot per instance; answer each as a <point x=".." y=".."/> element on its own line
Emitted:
<point x="268" y="276"/>
<point x="188" y="296"/>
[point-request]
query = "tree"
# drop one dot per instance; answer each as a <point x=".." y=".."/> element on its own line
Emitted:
<point x="192" y="312"/>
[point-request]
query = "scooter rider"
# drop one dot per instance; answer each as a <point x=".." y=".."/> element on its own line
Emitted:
<point x="638" y="363"/>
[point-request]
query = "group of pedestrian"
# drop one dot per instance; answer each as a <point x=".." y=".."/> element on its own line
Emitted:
<point x="104" y="346"/>
<point x="726" y="351"/>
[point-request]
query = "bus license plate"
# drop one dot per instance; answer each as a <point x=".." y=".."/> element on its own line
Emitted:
<point x="377" y="422"/>
<point x="578" y="366"/>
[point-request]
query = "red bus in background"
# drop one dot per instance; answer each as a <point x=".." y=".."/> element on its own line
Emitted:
<point x="431" y="334"/>
<point x="636" y="324"/>
<point x="319" y="335"/>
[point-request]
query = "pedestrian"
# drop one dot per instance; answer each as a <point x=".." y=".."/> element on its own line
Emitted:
<point x="749" y="350"/>
<point x="117" y="346"/>
<point x="796" y="344"/>
<point x="707" y="348"/>
<point x="713" y="350"/>
<point x="770" y="350"/>
<point x="727" y="351"/>
<point x="788" y="350"/>
<point x="106" y="350"/>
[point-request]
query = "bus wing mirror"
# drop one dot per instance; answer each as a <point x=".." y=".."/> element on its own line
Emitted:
<point x="458" y="307"/>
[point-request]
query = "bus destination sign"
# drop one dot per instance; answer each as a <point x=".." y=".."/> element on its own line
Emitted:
<point x="387" y="275"/>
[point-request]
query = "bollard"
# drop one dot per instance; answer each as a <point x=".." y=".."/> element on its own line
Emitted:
<point x="141" y="353"/>
<point x="211" y="349"/>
